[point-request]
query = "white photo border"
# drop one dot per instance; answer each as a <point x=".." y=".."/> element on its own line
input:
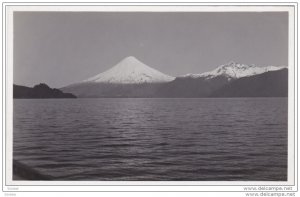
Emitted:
<point x="221" y="186"/>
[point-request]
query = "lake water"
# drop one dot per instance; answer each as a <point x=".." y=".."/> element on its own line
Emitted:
<point x="234" y="139"/>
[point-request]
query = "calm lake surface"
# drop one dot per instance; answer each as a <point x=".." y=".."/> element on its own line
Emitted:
<point x="239" y="139"/>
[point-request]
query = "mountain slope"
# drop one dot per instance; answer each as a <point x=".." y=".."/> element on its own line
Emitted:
<point x="185" y="87"/>
<point x="109" y="90"/>
<point x="130" y="71"/>
<point x="269" y="84"/>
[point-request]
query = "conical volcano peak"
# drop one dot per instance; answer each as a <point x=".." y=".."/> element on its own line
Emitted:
<point x="130" y="60"/>
<point x="130" y="71"/>
<point x="131" y="63"/>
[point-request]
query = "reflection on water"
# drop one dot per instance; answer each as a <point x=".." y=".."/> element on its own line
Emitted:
<point x="153" y="139"/>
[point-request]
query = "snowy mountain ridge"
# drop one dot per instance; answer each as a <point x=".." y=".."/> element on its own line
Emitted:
<point x="234" y="70"/>
<point x="130" y="71"/>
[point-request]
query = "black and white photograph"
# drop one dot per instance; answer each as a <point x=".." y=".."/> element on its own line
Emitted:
<point x="135" y="95"/>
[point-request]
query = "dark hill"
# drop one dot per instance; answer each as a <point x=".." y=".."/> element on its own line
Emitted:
<point x="39" y="91"/>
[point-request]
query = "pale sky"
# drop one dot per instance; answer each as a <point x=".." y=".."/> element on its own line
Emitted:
<point x="60" y="48"/>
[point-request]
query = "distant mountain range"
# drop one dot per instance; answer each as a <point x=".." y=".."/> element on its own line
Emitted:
<point x="39" y="91"/>
<point x="132" y="78"/>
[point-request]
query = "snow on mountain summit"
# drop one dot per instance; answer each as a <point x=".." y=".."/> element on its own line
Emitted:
<point x="130" y="71"/>
<point x="234" y="70"/>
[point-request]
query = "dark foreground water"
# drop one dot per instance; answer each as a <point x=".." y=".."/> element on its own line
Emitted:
<point x="153" y="139"/>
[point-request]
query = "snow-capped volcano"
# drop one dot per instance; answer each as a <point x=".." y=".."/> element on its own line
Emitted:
<point x="234" y="70"/>
<point x="130" y="71"/>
